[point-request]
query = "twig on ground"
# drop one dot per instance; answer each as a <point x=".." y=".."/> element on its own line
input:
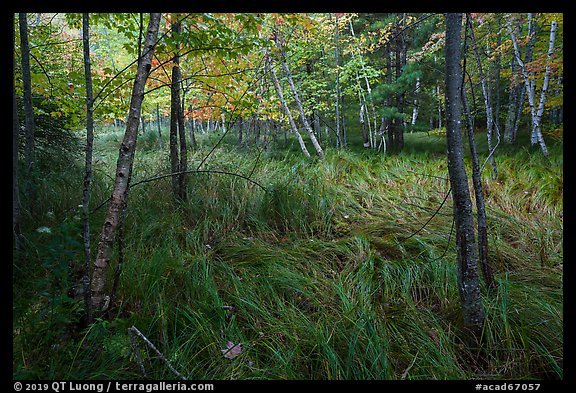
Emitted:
<point x="133" y="330"/>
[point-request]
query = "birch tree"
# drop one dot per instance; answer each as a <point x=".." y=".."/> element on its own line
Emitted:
<point x="123" y="167"/>
<point x="87" y="164"/>
<point x="272" y="71"/>
<point x="530" y="84"/>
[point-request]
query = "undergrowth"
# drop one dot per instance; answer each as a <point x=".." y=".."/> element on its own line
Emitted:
<point x="328" y="274"/>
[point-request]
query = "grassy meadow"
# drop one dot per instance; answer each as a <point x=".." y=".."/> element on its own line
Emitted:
<point x="326" y="274"/>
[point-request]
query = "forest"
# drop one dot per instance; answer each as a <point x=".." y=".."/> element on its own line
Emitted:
<point x="287" y="196"/>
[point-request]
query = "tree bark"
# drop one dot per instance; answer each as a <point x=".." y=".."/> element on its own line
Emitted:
<point x="339" y="133"/>
<point x="285" y="106"/>
<point x="29" y="148"/>
<point x="415" y="109"/>
<point x="16" y="208"/>
<point x="158" y="123"/>
<point x="174" y="114"/>
<point x="388" y="126"/>
<point x="545" y="84"/>
<point x="468" y="282"/>
<point x="480" y="206"/>
<point x="87" y="165"/>
<point x="183" y="164"/>
<point x="123" y="166"/>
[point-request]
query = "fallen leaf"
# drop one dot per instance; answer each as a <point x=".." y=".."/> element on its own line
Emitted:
<point x="232" y="350"/>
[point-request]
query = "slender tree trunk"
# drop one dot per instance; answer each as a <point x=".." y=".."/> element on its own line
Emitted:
<point x="415" y="109"/>
<point x="29" y="148"/>
<point x="480" y="207"/>
<point x="516" y="93"/>
<point x="16" y="208"/>
<point x="183" y="165"/>
<point x="490" y="126"/>
<point x="439" y="105"/>
<point x="88" y="165"/>
<point x="388" y="126"/>
<point x="303" y="117"/>
<point x="479" y="194"/>
<point x="174" y="116"/>
<point x="365" y="136"/>
<point x="371" y="126"/>
<point x="158" y="123"/>
<point x="400" y="62"/>
<point x="240" y="125"/>
<point x="468" y="281"/>
<point x="545" y="84"/>
<point x="286" y="109"/>
<point x="339" y="133"/>
<point x="192" y="130"/>
<point x="123" y="167"/>
<point x="496" y="94"/>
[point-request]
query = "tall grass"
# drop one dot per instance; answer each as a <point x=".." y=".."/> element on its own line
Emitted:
<point x="328" y="274"/>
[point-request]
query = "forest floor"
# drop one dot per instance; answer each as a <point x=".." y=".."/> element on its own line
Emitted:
<point x="326" y="274"/>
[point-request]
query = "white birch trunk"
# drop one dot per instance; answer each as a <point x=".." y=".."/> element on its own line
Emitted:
<point x="415" y="109"/>
<point x="530" y="87"/>
<point x="287" y="110"/>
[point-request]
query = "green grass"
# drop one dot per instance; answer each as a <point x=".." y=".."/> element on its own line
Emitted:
<point x="314" y="277"/>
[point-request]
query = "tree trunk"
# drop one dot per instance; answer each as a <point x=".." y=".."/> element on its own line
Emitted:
<point x="123" y="166"/>
<point x="480" y="207"/>
<point x="490" y="125"/>
<point x="192" y="130"/>
<point x="240" y="125"/>
<point x="371" y="126"/>
<point x="516" y="93"/>
<point x="400" y="62"/>
<point x="496" y="94"/>
<point x="286" y="109"/>
<point x="365" y="136"/>
<point x="415" y="109"/>
<point x="158" y="123"/>
<point x="339" y="133"/>
<point x="88" y="165"/>
<point x="16" y="208"/>
<point x="301" y="110"/>
<point x="545" y="84"/>
<point x="303" y="117"/>
<point x="174" y="115"/>
<point x="388" y="125"/>
<point x="183" y="165"/>
<point x="29" y="149"/>
<point x="468" y="281"/>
